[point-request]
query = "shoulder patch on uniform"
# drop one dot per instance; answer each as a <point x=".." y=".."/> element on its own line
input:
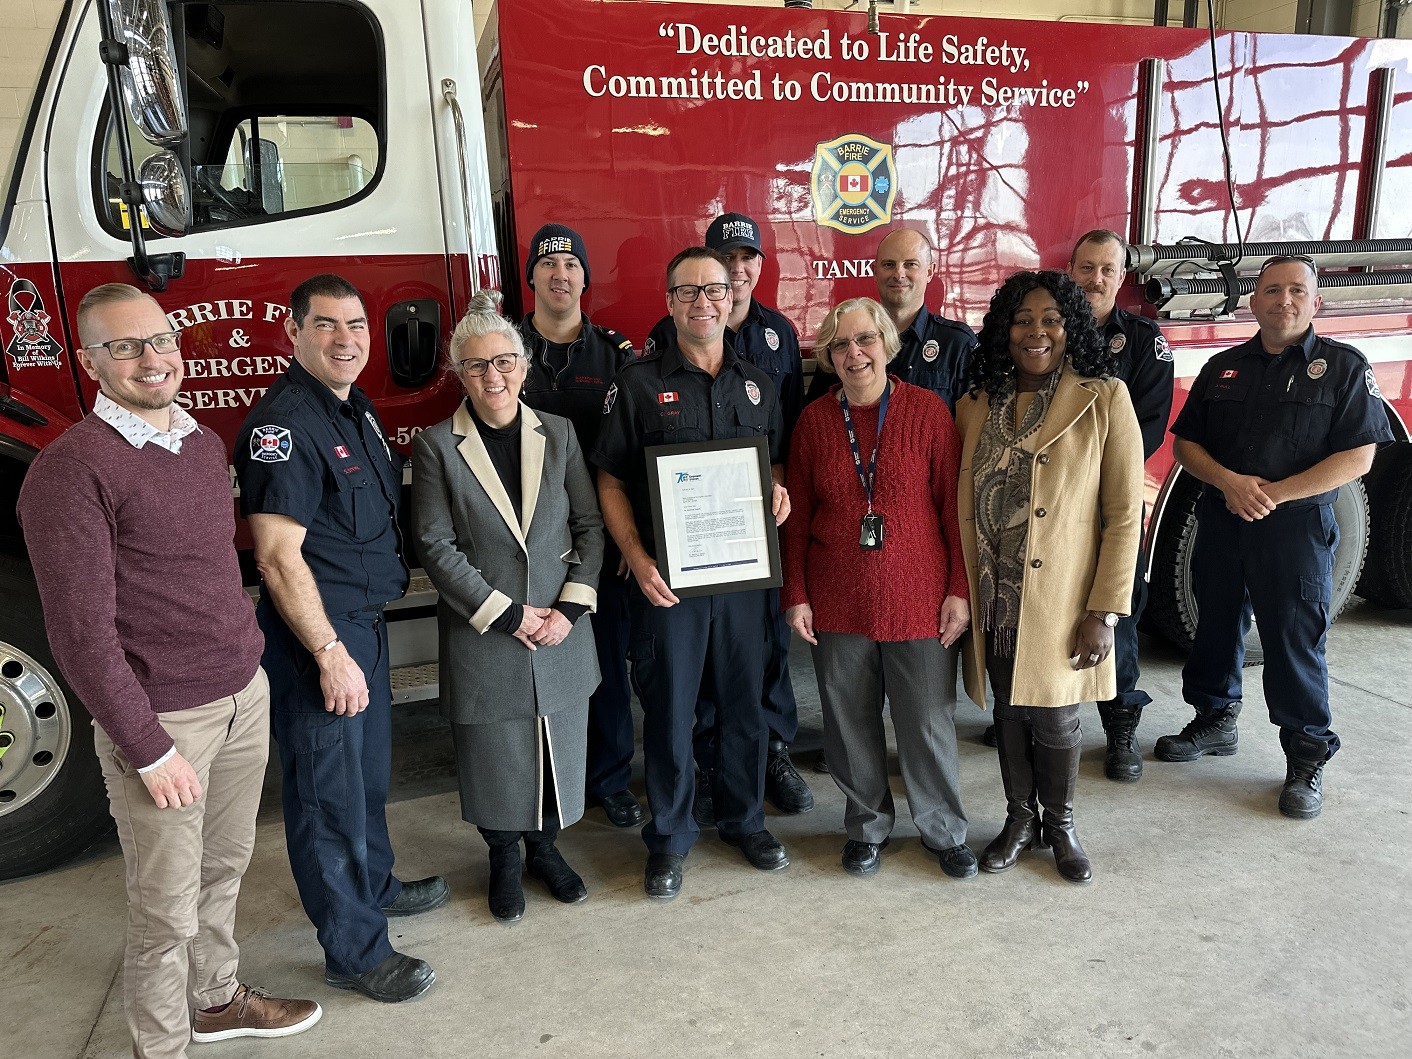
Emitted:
<point x="609" y="398"/>
<point x="270" y="444"/>
<point x="1161" y="350"/>
<point x="1371" y="381"/>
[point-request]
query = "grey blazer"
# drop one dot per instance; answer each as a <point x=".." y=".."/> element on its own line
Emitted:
<point x="482" y="561"/>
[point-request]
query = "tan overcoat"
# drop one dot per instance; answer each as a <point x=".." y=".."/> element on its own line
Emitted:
<point x="1084" y="532"/>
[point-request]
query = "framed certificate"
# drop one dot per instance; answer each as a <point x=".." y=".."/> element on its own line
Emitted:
<point x="711" y="509"/>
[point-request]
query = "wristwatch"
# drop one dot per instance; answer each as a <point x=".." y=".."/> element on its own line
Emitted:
<point x="1108" y="618"/>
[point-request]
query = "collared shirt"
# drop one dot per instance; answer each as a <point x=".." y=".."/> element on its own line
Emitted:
<point x="766" y="339"/>
<point x="1277" y="416"/>
<point x="571" y="381"/>
<point x="664" y="399"/>
<point x="935" y="355"/>
<point x="138" y="432"/>
<point x="1145" y="364"/>
<point x="326" y="463"/>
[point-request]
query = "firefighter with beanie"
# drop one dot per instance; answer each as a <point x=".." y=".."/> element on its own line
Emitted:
<point x="572" y="364"/>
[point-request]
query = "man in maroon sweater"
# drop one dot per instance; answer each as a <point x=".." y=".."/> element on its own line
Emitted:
<point x="130" y="532"/>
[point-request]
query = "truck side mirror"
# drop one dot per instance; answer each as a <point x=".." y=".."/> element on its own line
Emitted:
<point x="166" y="196"/>
<point x="150" y="83"/>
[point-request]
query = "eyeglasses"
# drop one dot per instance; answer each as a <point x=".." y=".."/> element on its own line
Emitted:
<point x="864" y="340"/>
<point x="504" y="364"/>
<point x="162" y="343"/>
<point x="689" y="292"/>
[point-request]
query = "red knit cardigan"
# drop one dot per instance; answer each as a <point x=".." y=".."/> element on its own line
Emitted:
<point x="894" y="593"/>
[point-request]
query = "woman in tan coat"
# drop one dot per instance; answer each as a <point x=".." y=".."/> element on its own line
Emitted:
<point x="1050" y="501"/>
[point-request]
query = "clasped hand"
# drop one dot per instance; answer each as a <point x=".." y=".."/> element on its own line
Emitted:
<point x="542" y="627"/>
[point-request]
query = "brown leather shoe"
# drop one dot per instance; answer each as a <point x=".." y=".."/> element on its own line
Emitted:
<point x="254" y="1013"/>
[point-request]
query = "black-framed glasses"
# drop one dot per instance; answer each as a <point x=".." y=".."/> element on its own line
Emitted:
<point x="163" y="343"/>
<point x="1281" y="259"/>
<point x="864" y="340"/>
<point x="504" y="364"/>
<point x="689" y="292"/>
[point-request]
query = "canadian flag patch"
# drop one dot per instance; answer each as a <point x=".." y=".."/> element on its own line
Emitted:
<point x="669" y="397"/>
<point x="1229" y="373"/>
<point x="341" y="452"/>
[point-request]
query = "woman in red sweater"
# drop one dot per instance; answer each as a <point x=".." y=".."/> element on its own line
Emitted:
<point x="875" y="580"/>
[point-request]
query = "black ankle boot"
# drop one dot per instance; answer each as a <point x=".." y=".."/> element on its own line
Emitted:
<point x="1021" y="830"/>
<point x="507" y="896"/>
<point x="1056" y="775"/>
<point x="1122" y="761"/>
<point x="547" y="864"/>
<point x="1302" y="797"/>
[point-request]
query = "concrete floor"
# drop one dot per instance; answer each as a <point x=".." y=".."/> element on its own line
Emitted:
<point x="1214" y="927"/>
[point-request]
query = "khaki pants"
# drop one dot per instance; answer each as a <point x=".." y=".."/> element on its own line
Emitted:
<point x="184" y="866"/>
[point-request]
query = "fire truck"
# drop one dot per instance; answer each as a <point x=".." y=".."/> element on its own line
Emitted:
<point x="217" y="153"/>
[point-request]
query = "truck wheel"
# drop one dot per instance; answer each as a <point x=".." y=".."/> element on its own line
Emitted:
<point x="1387" y="579"/>
<point x="1171" y="606"/>
<point x="52" y="799"/>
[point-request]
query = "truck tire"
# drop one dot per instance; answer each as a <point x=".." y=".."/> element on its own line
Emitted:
<point x="1387" y="579"/>
<point x="1171" y="605"/>
<point x="53" y="803"/>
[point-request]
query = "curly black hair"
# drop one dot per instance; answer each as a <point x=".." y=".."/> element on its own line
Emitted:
<point x="992" y="368"/>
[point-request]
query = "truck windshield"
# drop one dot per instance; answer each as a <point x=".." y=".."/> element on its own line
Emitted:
<point x="29" y="32"/>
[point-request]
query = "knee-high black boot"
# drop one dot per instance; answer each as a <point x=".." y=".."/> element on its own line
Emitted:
<point x="1057" y="773"/>
<point x="1021" y="831"/>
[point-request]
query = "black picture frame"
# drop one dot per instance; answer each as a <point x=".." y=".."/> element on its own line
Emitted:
<point x="667" y="561"/>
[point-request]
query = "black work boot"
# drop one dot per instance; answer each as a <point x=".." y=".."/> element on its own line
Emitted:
<point x="1302" y="796"/>
<point x="507" y="897"/>
<point x="1207" y="733"/>
<point x="1122" y="761"/>
<point x="1056" y="775"/>
<point x="1021" y="830"/>
<point x="784" y="786"/>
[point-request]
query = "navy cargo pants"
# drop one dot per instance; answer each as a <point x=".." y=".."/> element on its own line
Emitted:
<point x="335" y="773"/>
<point x="1283" y="564"/>
<point x="673" y="649"/>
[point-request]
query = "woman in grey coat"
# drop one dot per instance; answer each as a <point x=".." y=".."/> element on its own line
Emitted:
<point x="508" y="529"/>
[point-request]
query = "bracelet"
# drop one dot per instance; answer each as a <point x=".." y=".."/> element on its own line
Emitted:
<point x="328" y="646"/>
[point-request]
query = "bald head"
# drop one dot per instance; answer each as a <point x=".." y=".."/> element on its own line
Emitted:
<point x="904" y="266"/>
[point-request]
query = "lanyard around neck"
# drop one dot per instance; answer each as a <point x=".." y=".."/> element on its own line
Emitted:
<point x="865" y="478"/>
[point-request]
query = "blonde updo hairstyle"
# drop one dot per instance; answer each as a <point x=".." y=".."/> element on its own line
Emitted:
<point x="829" y="328"/>
<point x="483" y="319"/>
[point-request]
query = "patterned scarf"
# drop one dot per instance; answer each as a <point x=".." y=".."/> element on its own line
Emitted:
<point x="1002" y="469"/>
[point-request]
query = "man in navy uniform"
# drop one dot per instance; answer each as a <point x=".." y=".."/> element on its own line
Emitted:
<point x="695" y="388"/>
<point x="1098" y="264"/>
<point x="935" y="351"/>
<point x="320" y="486"/>
<point x="763" y="337"/>
<point x="572" y="364"/>
<point x="1273" y="426"/>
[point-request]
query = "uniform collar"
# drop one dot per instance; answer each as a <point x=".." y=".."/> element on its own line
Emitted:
<point x="532" y="334"/>
<point x="1116" y="321"/>
<point x="1305" y="346"/>
<point x="673" y="361"/>
<point x="919" y="325"/>
<point x="326" y="398"/>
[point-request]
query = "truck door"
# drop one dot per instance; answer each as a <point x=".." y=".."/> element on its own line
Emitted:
<point x="311" y="149"/>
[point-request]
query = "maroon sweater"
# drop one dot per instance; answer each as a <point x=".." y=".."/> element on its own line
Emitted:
<point x="132" y="550"/>
<point x="895" y="593"/>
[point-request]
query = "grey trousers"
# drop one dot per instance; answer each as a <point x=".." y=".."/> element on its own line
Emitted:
<point x="918" y="680"/>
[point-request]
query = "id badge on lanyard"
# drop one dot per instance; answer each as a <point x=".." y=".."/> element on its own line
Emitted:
<point x="871" y="529"/>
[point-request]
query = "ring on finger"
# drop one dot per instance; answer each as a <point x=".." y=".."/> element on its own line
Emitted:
<point x="1093" y="658"/>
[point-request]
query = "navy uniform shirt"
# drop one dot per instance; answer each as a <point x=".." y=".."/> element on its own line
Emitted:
<point x="1145" y="364"/>
<point x="572" y="381"/>
<point x="1276" y="416"/>
<point x="768" y="341"/>
<point x="661" y="398"/>
<point x="326" y="464"/>
<point x="935" y="355"/>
